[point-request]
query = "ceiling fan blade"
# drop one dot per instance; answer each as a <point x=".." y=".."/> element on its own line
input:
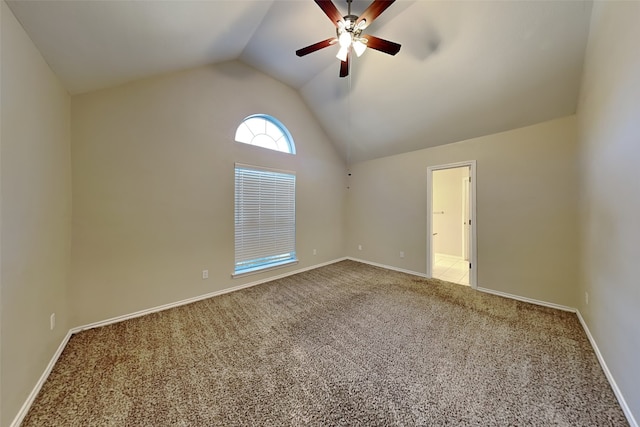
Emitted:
<point x="382" y="45"/>
<point x="344" y="66"/>
<point x="330" y="10"/>
<point x="374" y="10"/>
<point x="316" y="46"/>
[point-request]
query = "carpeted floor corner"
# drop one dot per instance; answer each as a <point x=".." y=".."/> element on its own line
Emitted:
<point x="343" y="345"/>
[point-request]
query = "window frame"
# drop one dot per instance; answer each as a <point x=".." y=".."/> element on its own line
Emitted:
<point x="268" y="230"/>
<point x="277" y="124"/>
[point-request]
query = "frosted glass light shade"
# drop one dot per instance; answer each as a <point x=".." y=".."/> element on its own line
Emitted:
<point x="359" y="47"/>
<point x="345" y="39"/>
<point x="342" y="54"/>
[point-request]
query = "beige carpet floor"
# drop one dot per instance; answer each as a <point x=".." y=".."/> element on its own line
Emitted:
<point x="343" y="345"/>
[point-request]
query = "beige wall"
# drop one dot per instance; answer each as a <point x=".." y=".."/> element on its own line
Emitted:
<point x="447" y="202"/>
<point x="36" y="214"/>
<point x="527" y="208"/>
<point x="609" y="112"/>
<point x="153" y="181"/>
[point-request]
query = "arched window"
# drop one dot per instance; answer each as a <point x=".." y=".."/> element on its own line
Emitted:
<point x="267" y="132"/>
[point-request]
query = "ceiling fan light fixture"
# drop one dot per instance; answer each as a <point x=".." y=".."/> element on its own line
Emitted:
<point x="342" y="53"/>
<point x="345" y="39"/>
<point x="359" y="47"/>
<point x="349" y="32"/>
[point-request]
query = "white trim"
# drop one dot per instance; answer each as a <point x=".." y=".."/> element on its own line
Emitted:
<point x="616" y="390"/>
<point x="529" y="300"/>
<point x="163" y="307"/>
<point x="473" y="239"/>
<point x="262" y="269"/>
<point x="54" y="359"/>
<point x="263" y="168"/>
<point x="612" y="382"/>
<point x="36" y="389"/>
<point x="389" y="267"/>
<point x="485" y="290"/>
<point x="34" y="393"/>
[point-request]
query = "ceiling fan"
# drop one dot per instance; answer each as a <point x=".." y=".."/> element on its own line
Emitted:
<point x="349" y="33"/>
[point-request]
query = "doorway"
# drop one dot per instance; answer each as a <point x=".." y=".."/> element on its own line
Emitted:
<point x="451" y="228"/>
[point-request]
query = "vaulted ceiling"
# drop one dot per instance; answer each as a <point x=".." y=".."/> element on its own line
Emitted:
<point x="466" y="68"/>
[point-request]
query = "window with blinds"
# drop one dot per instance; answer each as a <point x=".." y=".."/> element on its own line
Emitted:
<point x="265" y="218"/>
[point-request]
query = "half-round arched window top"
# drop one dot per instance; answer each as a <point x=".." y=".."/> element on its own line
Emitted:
<point x="267" y="132"/>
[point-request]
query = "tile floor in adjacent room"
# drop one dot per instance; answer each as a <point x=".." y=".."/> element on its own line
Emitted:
<point x="451" y="268"/>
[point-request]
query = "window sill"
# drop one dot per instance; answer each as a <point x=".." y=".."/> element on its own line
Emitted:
<point x="259" y="270"/>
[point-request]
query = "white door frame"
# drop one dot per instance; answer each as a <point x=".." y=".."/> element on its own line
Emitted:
<point x="473" y="276"/>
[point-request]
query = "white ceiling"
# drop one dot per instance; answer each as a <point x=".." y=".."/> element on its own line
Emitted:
<point x="466" y="68"/>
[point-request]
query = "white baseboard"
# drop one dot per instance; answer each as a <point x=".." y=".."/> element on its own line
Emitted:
<point x="616" y="390"/>
<point x="486" y="290"/>
<point x="529" y="300"/>
<point x="34" y="393"/>
<point x="163" y="307"/>
<point x="388" y="267"/>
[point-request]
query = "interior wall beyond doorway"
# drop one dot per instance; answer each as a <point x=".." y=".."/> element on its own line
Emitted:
<point x="447" y="211"/>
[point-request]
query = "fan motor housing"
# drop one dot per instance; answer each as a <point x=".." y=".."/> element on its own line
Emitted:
<point x="352" y="19"/>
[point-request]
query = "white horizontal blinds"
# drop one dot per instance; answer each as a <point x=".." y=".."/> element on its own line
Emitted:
<point x="265" y="218"/>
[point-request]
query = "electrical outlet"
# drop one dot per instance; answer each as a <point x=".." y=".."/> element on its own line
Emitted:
<point x="52" y="321"/>
<point x="586" y="297"/>
<point x="401" y="254"/>
<point x="359" y="247"/>
<point x="205" y="274"/>
<point x="315" y="252"/>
